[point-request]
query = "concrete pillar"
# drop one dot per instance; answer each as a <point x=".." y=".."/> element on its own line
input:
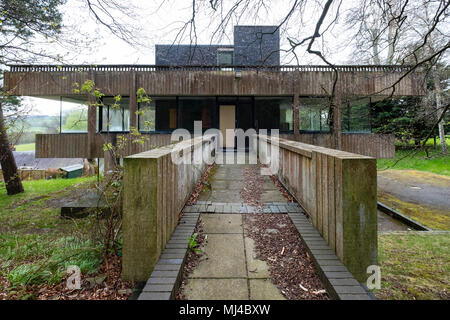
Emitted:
<point x="356" y="216"/>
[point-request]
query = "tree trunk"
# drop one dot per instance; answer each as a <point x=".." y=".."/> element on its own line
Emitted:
<point x="9" y="167"/>
<point x="437" y="87"/>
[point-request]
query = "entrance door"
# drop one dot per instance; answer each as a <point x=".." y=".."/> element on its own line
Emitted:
<point x="228" y="125"/>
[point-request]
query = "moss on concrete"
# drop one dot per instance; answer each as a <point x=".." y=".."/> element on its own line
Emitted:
<point x="430" y="217"/>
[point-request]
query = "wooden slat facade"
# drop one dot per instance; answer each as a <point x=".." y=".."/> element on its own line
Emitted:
<point x="203" y="81"/>
<point x="75" y="145"/>
<point x="380" y="146"/>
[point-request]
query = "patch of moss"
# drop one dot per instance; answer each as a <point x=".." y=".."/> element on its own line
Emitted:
<point x="430" y="217"/>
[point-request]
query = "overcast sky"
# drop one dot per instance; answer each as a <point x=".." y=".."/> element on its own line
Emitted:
<point x="160" y="24"/>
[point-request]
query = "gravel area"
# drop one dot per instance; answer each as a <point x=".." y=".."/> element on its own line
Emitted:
<point x="278" y="243"/>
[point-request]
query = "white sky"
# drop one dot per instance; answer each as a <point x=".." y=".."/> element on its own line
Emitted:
<point x="160" y="25"/>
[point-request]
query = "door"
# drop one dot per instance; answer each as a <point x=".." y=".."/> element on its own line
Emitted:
<point x="228" y="125"/>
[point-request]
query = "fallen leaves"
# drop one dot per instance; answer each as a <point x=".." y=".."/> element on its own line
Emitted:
<point x="291" y="269"/>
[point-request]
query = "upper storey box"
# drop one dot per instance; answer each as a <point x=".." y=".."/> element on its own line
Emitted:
<point x="253" y="46"/>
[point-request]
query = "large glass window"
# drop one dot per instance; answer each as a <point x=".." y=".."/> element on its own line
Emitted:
<point x="159" y="115"/>
<point x="197" y="109"/>
<point x="74" y="115"/>
<point x="313" y="114"/>
<point x="116" y="114"/>
<point x="356" y="115"/>
<point x="274" y="113"/>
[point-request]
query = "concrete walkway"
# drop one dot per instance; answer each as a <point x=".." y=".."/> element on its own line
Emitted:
<point x="228" y="269"/>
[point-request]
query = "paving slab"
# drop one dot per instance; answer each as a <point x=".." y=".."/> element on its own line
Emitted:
<point x="264" y="289"/>
<point x="222" y="223"/>
<point x="216" y="289"/>
<point x="224" y="257"/>
<point x="272" y="196"/>
<point x="257" y="269"/>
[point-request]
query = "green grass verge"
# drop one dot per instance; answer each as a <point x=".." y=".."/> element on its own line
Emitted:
<point x="37" y="245"/>
<point x="26" y="147"/>
<point x="405" y="160"/>
<point x="414" y="266"/>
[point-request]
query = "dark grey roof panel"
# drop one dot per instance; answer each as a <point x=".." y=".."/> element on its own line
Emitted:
<point x="187" y="54"/>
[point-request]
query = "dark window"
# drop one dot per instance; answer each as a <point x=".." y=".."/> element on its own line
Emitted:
<point x="159" y="115"/>
<point x="197" y="109"/>
<point x="356" y="115"/>
<point x="313" y="114"/>
<point x="274" y="113"/>
<point x="116" y="114"/>
<point x="225" y="57"/>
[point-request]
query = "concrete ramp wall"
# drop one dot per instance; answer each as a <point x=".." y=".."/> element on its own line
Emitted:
<point x="156" y="189"/>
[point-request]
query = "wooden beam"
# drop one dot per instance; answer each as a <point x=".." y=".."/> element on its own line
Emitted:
<point x="337" y="121"/>
<point x="296" y="109"/>
<point x="133" y="100"/>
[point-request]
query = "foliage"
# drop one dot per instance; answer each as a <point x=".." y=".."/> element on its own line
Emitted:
<point x="193" y="243"/>
<point x="406" y="118"/>
<point x="431" y="159"/>
<point x="36" y="244"/>
<point x="111" y="186"/>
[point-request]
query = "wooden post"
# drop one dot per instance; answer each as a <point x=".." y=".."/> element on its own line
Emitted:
<point x="92" y="126"/>
<point x="133" y="100"/>
<point x="296" y="109"/>
<point x="337" y="121"/>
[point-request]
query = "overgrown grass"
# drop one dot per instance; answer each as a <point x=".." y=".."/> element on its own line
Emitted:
<point x="410" y="160"/>
<point x="414" y="266"/>
<point x="36" y="245"/>
<point x="26" y="147"/>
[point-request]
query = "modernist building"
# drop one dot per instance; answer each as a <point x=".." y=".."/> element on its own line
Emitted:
<point x="241" y="85"/>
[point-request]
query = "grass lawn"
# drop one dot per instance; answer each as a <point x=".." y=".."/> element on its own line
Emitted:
<point x="414" y="266"/>
<point x="436" y="163"/>
<point x="26" y="147"/>
<point x="36" y="245"/>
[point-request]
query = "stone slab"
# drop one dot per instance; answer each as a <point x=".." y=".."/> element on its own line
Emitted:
<point x="264" y="289"/>
<point x="224" y="257"/>
<point x="216" y="289"/>
<point x="222" y="223"/>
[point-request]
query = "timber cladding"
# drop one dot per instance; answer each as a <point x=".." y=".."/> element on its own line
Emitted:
<point x="155" y="190"/>
<point x="338" y="190"/>
<point x="188" y="81"/>
<point x="75" y="145"/>
<point x="380" y="146"/>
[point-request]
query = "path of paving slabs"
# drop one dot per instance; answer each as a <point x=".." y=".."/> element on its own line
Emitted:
<point x="228" y="269"/>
